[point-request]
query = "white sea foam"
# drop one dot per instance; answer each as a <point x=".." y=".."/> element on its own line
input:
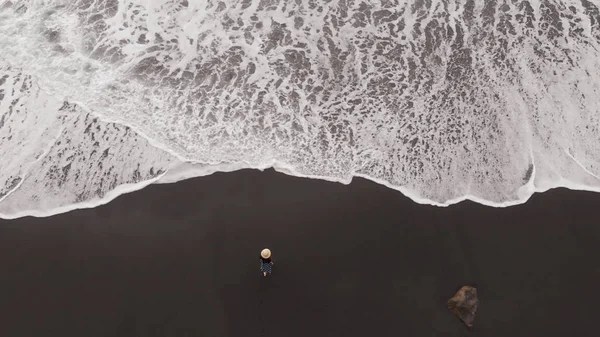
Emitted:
<point x="442" y="100"/>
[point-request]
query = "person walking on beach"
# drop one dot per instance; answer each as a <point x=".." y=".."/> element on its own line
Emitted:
<point x="266" y="265"/>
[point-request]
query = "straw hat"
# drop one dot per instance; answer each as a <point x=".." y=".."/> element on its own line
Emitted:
<point x="266" y="253"/>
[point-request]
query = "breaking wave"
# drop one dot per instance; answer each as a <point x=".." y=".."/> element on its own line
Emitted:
<point x="443" y="100"/>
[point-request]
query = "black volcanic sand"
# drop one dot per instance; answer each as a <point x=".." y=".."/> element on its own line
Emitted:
<point x="359" y="260"/>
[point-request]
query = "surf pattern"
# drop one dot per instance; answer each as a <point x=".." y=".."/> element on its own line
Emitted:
<point x="444" y="100"/>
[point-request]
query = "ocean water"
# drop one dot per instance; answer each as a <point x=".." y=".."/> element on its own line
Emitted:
<point x="443" y="100"/>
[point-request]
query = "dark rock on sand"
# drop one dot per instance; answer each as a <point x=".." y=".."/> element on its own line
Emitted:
<point x="464" y="304"/>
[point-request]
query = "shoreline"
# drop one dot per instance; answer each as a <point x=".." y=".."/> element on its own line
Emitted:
<point x="359" y="259"/>
<point x="208" y="170"/>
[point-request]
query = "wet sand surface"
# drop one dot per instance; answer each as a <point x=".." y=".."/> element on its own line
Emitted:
<point x="358" y="260"/>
